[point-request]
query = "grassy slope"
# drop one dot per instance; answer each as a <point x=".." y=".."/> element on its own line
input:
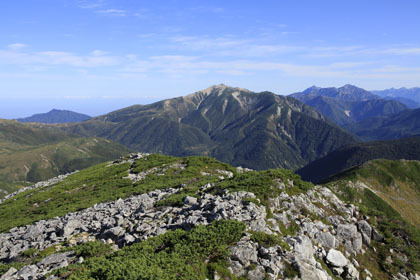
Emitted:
<point x="105" y="182"/>
<point x="33" y="152"/>
<point x="396" y="182"/>
<point x="356" y="154"/>
<point x="391" y="216"/>
<point x="196" y="254"/>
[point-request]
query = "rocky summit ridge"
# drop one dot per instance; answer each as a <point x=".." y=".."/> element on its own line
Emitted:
<point x="292" y="230"/>
<point x="258" y="130"/>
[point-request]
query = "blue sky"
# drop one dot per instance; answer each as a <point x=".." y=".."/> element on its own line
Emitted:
<point x="95" y="56"/>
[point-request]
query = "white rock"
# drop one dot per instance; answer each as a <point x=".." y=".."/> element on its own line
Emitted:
<point x="336" y="258"/>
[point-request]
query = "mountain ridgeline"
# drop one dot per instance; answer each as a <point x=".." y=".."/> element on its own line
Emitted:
<point x="348" y="104"/>
<point x="255" y="130"/>
<point x="402" y="125"/>
<point x="408" y="96"/>
<point x="357" y="154"/>
<point x="34" y="152"/>
<point x="153" y="216"/>
<point x="56" y="116"/>
<point x="395" y="181"/>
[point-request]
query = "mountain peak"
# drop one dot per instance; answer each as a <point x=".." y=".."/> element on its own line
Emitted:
<point x="56" y="116"/>
<point x="312" y="89"/>
<point x="216" y="89"/>
<point x="222" y="87"/>
<point x="350" y="89"/>
<point x="349" y="86"/>
<point x="56" y="111"/>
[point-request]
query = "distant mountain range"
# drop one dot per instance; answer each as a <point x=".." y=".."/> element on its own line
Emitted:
<point x="348" y="93"/>
<point x="408" y="96"/>
<point x="348" y="104"/>
<point x="356" y="154"/>
<point x="402" y="125"/>
<point x="56" y="116"/>
<point x="255" y="130"/>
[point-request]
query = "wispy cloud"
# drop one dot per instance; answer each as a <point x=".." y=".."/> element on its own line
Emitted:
<point x="113" y="12"/>
<point x="88" y="4"/>
<point x="207" y="9"/>
<point x="403" y="51"/>
<point x="183" y="65"/>
<point x="230" y="56"/>
<point x="96" y="58"/>
<point x="16" y="46"/>
<point x="230" y="46"/>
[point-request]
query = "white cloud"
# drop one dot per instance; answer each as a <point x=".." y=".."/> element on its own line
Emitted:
<point x="38" y="59"/>
<point x="65" y="58"/>
<point x="194" y="65"/>
<point x="87" y="4"/>
<point x="98" y="53"/>
<point x="402" y="51"/>
<point x="16" y="46"/>
<point x="113" y="12"/>
<point x="230" y="46"/>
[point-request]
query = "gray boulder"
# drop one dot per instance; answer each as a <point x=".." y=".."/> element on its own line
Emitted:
<point x="256" y="274"/>
<point x="351" y="273"/>
<point x="113" y="233"/>
<point x="8" y="274"/>
<point x="336" y="258"/>
<point x="377" y="236"/>
<point x="245" y="253"/>
<point x="56" y="260"/>
<point x="347" y="231"/>
<point x="366" y="231"/>
<point x="34" y="232"/>
<point x="327" y="240"/>
<point x="237" y="269"/>
<point x="27" y="272"/>
<point x="70" y="227"/>
<point x="190" y="200"/>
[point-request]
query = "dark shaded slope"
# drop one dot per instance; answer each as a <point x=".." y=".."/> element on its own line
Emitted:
<point x="357" y="154"/>
<point x="256" y="130"/>
<point x="404" y="124"/>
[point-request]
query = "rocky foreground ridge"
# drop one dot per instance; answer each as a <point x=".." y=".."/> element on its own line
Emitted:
<point x="318" y="235"/>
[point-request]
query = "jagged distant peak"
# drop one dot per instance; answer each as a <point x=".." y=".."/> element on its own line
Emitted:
<point x="221" y="88"/>
<point x="312" y="89"/>
<point x="215" y="89"/>
<point x="349" y="89"/>
<point x="347" y="92"/>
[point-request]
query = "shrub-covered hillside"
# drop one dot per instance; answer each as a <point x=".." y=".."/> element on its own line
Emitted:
<point x="149" y="216"/>
<point x="396" y="181"/>
<point x="30" y="153"/>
